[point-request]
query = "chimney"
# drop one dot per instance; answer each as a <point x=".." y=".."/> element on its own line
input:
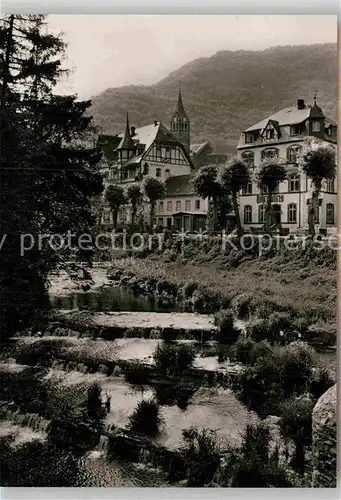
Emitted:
<point x="300" y="104"/>
<point x="155" y="123"/>
<point x="132" y="131"/>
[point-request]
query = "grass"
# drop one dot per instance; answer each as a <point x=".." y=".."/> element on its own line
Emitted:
<point x="305" y="290"/>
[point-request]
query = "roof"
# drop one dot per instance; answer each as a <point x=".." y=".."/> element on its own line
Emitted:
<point x="149" y="133"/>
<point x="288" y="116"/>
<point x="179" y="185"/>
<point x="197" y="148"/>
<point x="126" y="141"/>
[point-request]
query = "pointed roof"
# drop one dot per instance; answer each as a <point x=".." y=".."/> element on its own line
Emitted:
<point x="126" y="141"/>
<point x="180" y="106"/>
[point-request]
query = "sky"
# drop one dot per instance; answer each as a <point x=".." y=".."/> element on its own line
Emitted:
<point x="116" y="50"/>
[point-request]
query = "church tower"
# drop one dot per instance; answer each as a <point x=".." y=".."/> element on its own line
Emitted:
<point x="180" y="124"/>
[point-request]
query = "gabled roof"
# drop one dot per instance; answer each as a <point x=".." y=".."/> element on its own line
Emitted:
<point x="198" y="148"/>
<point x="286" y="116"/>
<point x="179" y="185"/>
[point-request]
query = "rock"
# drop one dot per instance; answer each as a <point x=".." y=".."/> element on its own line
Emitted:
<point x="325" y="440"/>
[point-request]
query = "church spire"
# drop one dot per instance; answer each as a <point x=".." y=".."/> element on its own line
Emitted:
<point x="180" y="105"/>
<point x="126" y="142"/>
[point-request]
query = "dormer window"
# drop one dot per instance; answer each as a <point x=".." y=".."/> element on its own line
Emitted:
<point x="270" y="134"/>
<point x="249" y="137"/>
<point x="296" y="129"/>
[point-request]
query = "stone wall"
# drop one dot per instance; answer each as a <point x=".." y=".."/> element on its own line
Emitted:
<point x="324" y="449"/>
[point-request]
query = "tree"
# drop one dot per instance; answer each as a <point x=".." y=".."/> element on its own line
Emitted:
<point x="318" y="162"/>
<point x="269" y="174"/>
<point x="207" y="186"/>
<point x="235" y="176"/>
<point x="154" y="190"/>
<point x="48" y="171"/>
<point x="134" y="196"/>
<point x="115" y="198"/>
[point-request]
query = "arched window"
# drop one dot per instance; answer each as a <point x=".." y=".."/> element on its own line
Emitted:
<point x="158" y="172"/>
<point x="247" y="214"/>
<point x="293" y="153"/>
<point x="248" y="158"/>
<point x="294" y="183"/>
<point x="269" y="153"/>
<point x="330" y="213"/>
<point x="292" y="212"/>
<point x="261" y="214"/>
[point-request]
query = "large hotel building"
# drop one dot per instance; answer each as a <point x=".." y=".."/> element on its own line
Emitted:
<point x="168" y="154"/>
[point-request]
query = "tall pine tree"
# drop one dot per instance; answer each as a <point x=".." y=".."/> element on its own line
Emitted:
<point x="48" y="167"/>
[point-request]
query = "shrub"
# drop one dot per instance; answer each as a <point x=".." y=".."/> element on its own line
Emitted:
<point x="146" y="418"/>
<point x="242" y="350"/>
<point x="227" y="333"/>
<point x="174" y="359"/>
<point x="136" y="373"/>
<point x="189" y="289"/>
<point x="296" y="424"/>
<point x="201" y="454"/>
<point x="241" y="305"/>
<point x="320" y="381"/>
<point x="252" y="464"/>
<point x="206" y="300"/>
<point x="167" y="287"/>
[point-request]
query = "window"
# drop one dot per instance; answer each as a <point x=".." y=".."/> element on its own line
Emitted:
<point x="160" y="222"/>
<point x="269" y="153"/>
<point x="188" y="205"/>
<point x="161" y="206"/>
<point x="168" y="153"/>
<point x="249" y="138"/>
<point x="296" y="129"/>
<point x="330" y="185"/>
<point x="317" y="215"/>
<point x="248" y="158"/>
<point x="247" y="189"/>
<point x="261" y="214"/>
<point x="146" y="169"/>
<point x="247" y="214"/>
<point x="106" y="218"/>
<point x="293" y="154"/>
<point x="264" y="189"/>
<point x="330" y="213"/>
<point x="169" y="206"/>
<point x="197" y="204"/>
<point x="167" y="173"/>
<point x="178" y="205"/>
<point x="158" y="151"/>
<point x="316" y="126"/>
<point x="270" y="134"/>
<point x="158" y="172"/>
<point x="292" y="212"/>
<point x="294" y="183"/>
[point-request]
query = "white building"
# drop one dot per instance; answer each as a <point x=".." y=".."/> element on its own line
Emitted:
<point x="281" y="135"/>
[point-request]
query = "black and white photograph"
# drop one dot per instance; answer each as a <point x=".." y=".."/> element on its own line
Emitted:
<point x="168" y="251"/>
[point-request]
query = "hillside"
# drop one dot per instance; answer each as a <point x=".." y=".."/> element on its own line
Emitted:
<point x="227" y="92"/>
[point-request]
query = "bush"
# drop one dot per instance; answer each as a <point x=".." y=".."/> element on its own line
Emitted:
<point x="165" y="287"/>
<point x="174" y="359"/>
<point x="241" y="305"/>
<point x="146" y="418"/>
<point x="201" y="454"/>
<point x="296" y="424"/>
<point x="227" y="333"/>
<point x="242" y="351"/>
<point x="136" y="373"/>
<point x="189" y="289"/>
<point x="251" y="464"/>
<point x="206" y="300"/>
